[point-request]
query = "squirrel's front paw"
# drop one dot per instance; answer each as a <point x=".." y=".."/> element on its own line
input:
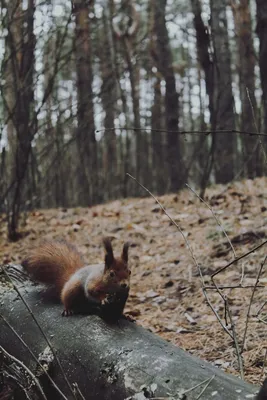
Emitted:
<point x="109" y="298"/>
<point x="67" y="313"/>
<point x="128" y="318"/>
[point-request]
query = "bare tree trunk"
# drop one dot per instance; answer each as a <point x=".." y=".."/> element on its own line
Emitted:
<point x="203" y="52"/>
<point x="158" y="170"/>
<point x="134" y="81"/>
<point x="223" y="102"/>
<point x="164" y="64"/>
<point x="86" y="140"/>
<point x="205" y="156"/>
<point x="242" y="19"/>
<point x="125" y="36"/>
<point x="262" y="34"/>
<point x="19" y="103"/>
<point x="109" y="98"/>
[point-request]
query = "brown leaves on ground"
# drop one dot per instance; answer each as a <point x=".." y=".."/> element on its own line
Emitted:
<point x="166" y="295"/>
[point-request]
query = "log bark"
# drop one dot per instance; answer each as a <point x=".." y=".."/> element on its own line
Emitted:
<point x="108" y="361"/>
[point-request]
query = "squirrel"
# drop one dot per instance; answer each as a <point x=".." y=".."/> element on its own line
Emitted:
<point x="58" y="263"/>
<point x="262" y="395"/>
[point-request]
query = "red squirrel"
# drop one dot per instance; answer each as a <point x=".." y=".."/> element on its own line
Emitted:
<point x="58" y="263"/>
<point x="262" y="395"/>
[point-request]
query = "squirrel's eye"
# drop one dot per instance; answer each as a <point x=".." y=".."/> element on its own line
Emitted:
<point x="112" y="274"/>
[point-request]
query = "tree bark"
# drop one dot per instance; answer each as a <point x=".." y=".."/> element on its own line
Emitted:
<point x="86" y="140"/>
<point x="109" y="99"/>
<point x="223" y="102"/>
<point x="158" y="153"/>
<point x="164" y="64"/>
<point x="241" y="12"/>
<point x="19" y="103"/>
<point x="262" y="34"/>
<point x="107" y="361"/>
<point x="203" y="51"/>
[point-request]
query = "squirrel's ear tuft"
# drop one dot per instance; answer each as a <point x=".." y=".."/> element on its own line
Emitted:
<point x="124" y="254"/>
<point x="109" y="257"/>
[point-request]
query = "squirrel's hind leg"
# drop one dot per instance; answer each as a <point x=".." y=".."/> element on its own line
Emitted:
<point x="70" y="295"/>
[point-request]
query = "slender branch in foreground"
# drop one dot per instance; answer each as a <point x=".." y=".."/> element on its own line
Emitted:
<point x="205" y="387"/>
<point x="238" y="351"/>
<point x="34" y="357"/>
<point x="250" y="303"/>
<point x="261" y="307"/>
<point x="215" y="217"/>
<point x="256" y="126"/>
<point x="192" y="255"/>
<point x="263" y="365"/>
<point x="227" y="237"/>
<point x="77" y="389"/>
<point x="237" y="259"/>
<point x="221" y="287"/>
<point x="26" y="369"/>
<point x="207" y="133"/>
<point x="41" y="330"/>
<point x="184" y="391"/>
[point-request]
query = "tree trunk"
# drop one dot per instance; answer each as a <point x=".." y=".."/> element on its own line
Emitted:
<point x="203" y="52"/>
<point x="223" y="102"/>
<point x="86" y="140"/>
<point x="134" y="77"/>
<point x="164" y="64"/>
<point x="205" y="158"/>
<point x="106" y="361"/>
<point x="158" y="154"/>
<point x="262" y="34"/>
<point x="19" y="103"/>
<point x="241" y="12"/>
<point x="109" y="99"/>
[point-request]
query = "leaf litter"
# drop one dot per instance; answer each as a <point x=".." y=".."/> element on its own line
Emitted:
<point x="166" y="294"/>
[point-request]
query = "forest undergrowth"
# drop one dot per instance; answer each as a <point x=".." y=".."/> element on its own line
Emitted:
<point x="166" y="288"/>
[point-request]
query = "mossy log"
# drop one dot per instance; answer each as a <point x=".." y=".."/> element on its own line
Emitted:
<point x="106" y="361"/>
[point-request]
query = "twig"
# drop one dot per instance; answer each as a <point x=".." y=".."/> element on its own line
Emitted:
<point x="256" y="126"/>
<point x="26" y="369"/>
<point x="238" y="352"/>
<point x="77" y="389"/>
<point x="261" y="307"/>
<point x="199" y="384"/>
<point x="227" y="237"/>
<point x="263" y="365"/>
<point x="250" y="303"/>
<point x="41" y="330"/>
<point x="262" y="320"/>
<point x="237" y="259"/>
<point x="233" y="287"/>
<point x="214" y="215"/>
<point x="34" y="356"/>
<point x="205" y="387"/>
<point x="208" y="132"/>
<point x="192" y="255"/>
<point x="183" y="392"/>
<point x="242" y="273"/>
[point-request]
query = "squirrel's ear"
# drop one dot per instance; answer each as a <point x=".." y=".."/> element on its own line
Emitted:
<point x="109" y="257"/>
<point x="124" y="254"/>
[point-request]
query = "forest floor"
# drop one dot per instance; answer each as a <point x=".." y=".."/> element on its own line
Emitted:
<point x="166" y="289"/>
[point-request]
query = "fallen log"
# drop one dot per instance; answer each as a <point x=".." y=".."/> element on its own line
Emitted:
<point x="106" y="361"/>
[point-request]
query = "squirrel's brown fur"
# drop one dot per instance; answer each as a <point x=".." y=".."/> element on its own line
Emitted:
<point x="52" y="263"/>
<point x="58" y="263"/>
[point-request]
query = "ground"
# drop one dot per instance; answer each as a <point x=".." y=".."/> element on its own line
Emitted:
<point x="166" y="289"/>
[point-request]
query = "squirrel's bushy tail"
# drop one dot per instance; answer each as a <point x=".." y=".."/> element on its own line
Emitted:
<point x="53" y="262"/>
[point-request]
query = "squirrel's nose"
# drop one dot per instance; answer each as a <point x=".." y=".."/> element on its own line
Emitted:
<point x="124" y="285"/>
